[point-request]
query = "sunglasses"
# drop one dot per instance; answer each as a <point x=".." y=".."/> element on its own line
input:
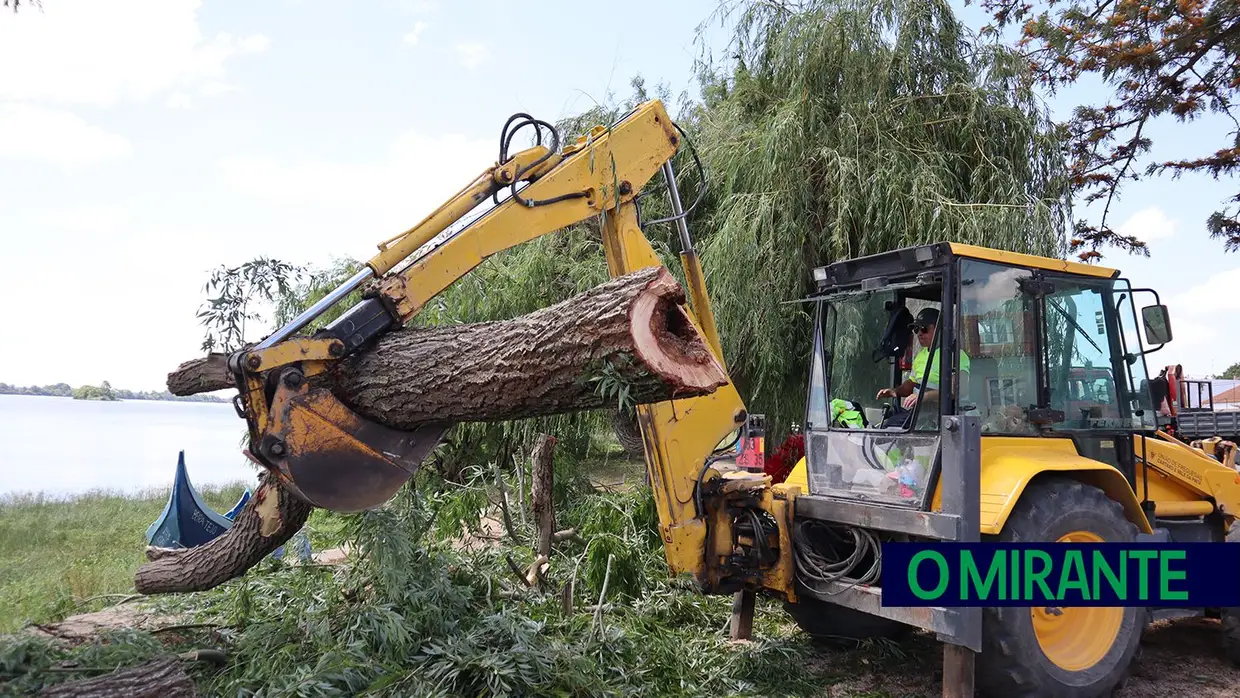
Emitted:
<point x="921" y="329"/>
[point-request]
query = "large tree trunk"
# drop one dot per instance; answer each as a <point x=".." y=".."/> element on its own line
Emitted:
<point x="629" y="335"/>
<point x="268" y="520"/>
<point x="575" y="355"/>
<point x="158" y="678"/>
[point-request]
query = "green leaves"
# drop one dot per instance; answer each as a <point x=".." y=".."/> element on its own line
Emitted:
<point x="609" y="381"/>
<point x="1169" y="59"/>
<point x="241" y="291"/>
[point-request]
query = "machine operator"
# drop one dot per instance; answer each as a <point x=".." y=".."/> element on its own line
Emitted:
<point x="923" y="326"/>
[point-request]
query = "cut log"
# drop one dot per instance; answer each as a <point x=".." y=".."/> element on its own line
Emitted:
<point x="268" y="520"/>
<point x="632" y="328"/>
<point x="630" y="331"/>
<point x="158" y="678"/>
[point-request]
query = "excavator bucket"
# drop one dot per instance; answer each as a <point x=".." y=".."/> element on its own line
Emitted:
<point x="334" y="459"/>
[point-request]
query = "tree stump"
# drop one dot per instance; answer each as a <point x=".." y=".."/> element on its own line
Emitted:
<point x="543" y="477"/>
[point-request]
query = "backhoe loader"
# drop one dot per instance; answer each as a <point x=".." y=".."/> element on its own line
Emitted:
<point x="997" y="446"/>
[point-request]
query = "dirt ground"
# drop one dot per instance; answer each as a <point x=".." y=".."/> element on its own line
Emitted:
<point x="1183" y="658"/>
<point x="1179" y="658"/>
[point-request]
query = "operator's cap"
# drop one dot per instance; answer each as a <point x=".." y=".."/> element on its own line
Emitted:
<point x="925" y="318"/>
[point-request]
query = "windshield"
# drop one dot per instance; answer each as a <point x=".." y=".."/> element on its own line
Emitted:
<point x="873" y="410"/>
<point x="1084" y="351"/>
<point x="883" y="341"/>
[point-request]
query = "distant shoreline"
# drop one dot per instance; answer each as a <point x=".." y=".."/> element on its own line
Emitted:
<point x="216" y="401"/>
<point x="104" y="393"/>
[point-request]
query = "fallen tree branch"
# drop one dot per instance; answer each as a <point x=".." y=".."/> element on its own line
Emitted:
<point x="567" y="534"/>
<point x="269" y="519"/>
<point x="516" y="570"/>
<point x="628" y="340"/>
<point x="538" y="568"/>
<point x="158" y="678"/>
<point x="598" y="608"/>
<point x="203" y="375"/>
<point x="503" y="505"/>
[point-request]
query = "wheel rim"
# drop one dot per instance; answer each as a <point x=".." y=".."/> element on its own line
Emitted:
<point x="1075" y="639"/>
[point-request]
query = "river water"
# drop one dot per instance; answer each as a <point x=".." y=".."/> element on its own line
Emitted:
<point x="60" y="447"/>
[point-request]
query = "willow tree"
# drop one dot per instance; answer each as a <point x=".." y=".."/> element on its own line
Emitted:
<point x="849" y="128"/>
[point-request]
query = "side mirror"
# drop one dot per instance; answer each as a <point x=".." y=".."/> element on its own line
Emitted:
<point x="1157" y="324"/>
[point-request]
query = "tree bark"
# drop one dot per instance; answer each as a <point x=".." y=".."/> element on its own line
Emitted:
<point x="575" y="355"/>
<point x="268" y="520"/>
<point x="544" y="511"/>
<point x="158" y="678"/>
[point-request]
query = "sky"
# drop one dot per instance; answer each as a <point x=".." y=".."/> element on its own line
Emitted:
<point x="144" y="143"/>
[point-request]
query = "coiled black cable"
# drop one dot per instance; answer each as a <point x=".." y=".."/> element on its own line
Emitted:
<point x="816" y="567"/>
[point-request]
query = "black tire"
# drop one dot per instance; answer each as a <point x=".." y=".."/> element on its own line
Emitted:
<point x="1012" y="662"/>
<point x="832" y="624"/>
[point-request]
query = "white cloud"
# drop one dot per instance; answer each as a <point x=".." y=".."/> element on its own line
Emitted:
<point x="473" y="54"/>
<point x="38" y="133"/>
<point x="86" y="52"/>
<point x="1148" y="224"/>
<point x="414" y="34"/>
<point x="1216" y="295"/>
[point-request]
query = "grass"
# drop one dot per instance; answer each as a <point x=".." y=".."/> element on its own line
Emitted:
<point x="60" y="556"/>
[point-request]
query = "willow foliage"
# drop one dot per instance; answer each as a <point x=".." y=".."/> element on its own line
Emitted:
<point x="850" y="128"/>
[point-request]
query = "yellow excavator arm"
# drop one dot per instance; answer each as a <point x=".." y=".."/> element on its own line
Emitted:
<point x="730" y="531"/>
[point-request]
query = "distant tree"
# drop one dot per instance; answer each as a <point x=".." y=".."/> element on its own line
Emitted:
<point x="17" y="3"/>
<point x="1232" y="372"/>
<point x="1159" y="57"/>
<point x="95" y="392"/>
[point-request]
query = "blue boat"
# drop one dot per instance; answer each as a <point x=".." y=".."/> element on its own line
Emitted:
<point x="245" y="497"/>
<point x="187" y="521"/>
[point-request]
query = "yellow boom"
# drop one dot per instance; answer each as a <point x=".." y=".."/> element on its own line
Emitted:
<point x="334" y="459"/>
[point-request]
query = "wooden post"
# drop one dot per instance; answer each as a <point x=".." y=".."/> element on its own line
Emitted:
<point x="742" y="614"/>
<point x="962" y="463"/>
<point x="957" y="671"/>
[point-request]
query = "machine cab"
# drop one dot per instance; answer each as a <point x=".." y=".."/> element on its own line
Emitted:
<point x="1033" y="346"/>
